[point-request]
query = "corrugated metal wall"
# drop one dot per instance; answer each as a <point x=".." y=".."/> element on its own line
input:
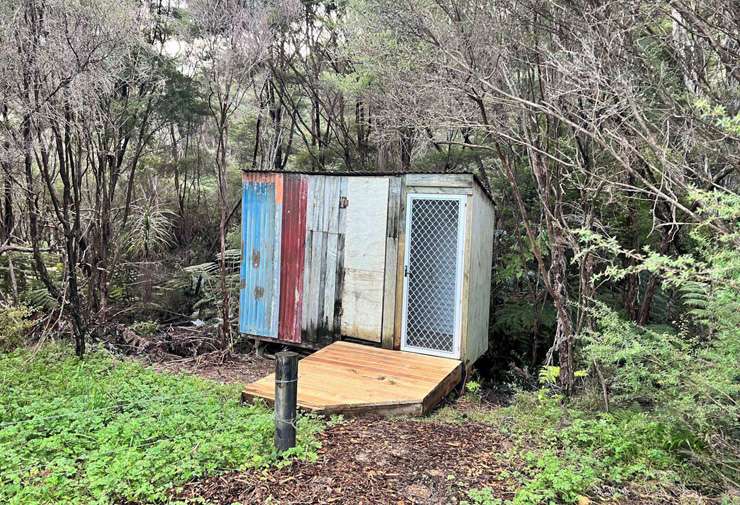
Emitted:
<point x="292" y="257"/>
<point x="259" y="297"/>
<point x="295" y="262"/>
<point x="323" y="266"/>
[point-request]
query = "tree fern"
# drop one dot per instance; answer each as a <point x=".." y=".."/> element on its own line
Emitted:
<point x="695" y="296"/>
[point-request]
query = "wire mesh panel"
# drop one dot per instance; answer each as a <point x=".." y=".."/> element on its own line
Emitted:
<point x="432" y="274"/>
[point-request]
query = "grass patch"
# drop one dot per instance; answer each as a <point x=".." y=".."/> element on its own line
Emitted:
<point x="102" y="430"/>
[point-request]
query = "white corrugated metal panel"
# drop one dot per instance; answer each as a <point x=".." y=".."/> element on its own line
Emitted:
<point x="364" y="257"/>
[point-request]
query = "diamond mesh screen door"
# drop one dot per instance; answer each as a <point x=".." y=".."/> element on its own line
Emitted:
<point x="433" y="272"/>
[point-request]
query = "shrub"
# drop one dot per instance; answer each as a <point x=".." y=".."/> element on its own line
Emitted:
<point x="14" y="323"/>
<point x="570" y="451"/>
<point x="145" y="328"/>
<point x="473" y="387"/>
<point x="685" y="377"/>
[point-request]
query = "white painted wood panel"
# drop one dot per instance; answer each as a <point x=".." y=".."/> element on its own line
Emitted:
<point x="440" y="180"/>
<point x="364" y="257"/>
<point x="391" y="260"/>
<point x="479" y="287"/>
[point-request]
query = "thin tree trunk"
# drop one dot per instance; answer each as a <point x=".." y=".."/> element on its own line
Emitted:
<point x="8" y="221"/>
<point x="652" y="285"/>
<point x="13" y="280"/>
<point x="33" y="213"/>
<point x="221" y="167"/>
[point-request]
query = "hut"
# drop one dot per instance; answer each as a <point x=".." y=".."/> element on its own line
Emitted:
<point x="395" y="261"/>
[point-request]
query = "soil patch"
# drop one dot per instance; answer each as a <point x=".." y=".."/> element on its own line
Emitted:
<point x="371" y="461"/>
<point x="217" y="366"/>
<point x="188" y="350"/>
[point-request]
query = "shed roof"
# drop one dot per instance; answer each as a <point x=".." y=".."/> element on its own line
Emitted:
<point x="483" y="184"/>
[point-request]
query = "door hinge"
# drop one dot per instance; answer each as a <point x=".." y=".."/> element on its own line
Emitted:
<point x="343" y="202"/>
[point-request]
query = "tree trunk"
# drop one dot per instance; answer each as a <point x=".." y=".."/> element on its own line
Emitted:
<point x="405" y="144"/>
<point x="8" y="217"/>
<point x="223" y="217"/>
<point x="33" y="213"/>
<point x="75" y="304"/>
<point x="632" y="288"/>
<point x="564" y="328"/>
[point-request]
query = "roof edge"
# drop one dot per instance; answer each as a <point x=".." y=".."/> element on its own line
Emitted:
<point x="367" y="173"/>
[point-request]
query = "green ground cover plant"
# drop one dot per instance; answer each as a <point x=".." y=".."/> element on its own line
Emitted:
<point x="101" y="431"/>
<point x="570" y="452"/>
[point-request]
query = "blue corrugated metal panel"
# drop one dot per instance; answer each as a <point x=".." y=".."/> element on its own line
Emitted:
<point x="259" y="299"/>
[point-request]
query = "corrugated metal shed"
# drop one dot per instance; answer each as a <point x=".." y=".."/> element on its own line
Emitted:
<point x="338" y="266"/>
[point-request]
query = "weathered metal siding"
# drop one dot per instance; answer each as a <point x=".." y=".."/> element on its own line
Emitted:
<point x="259" y="298"/>
<point x="322" y="278"/>
<point x="293" y="248"/>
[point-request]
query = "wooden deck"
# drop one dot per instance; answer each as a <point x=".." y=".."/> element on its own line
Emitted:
<point x="352" y="379"/>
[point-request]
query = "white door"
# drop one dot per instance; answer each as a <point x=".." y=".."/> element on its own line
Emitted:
<point x="432" y="291"/>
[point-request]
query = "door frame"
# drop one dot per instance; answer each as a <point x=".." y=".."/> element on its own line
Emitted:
<point x="461" y="224"/>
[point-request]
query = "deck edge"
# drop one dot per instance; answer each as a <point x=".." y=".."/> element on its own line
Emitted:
<point x="442" y="389"/>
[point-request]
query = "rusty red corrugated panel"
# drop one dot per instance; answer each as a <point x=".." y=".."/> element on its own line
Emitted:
<point x="293" y="248"/>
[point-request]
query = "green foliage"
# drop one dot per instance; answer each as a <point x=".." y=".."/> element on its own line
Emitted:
<point x="569" y="451"/>
<point x="719" y="115"/>
<point x="201" y="284"/>
<point x="472" y="387"/>
<point x="519" y="318"/>
<point x="687" y="381"/>
<point x="482" y="496"/>
<point x="145" y="328"/>
<point x="688" y="375"/>
<point x="523" y="331"/>
<point x="549" y="375"/>
<point x="104" y="431"/>
<point x="150" y="228"/>
<point x="14" y="323"/>
<point x="31" y="291"/>
<point x="349" y="84"/>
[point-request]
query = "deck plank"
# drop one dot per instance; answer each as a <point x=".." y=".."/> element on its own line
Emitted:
<point x="355" y="379"/>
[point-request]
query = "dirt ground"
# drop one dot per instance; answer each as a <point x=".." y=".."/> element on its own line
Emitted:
<point x="361" y="461"/>
<point x="377" y="461"/>
<point x="368" y="461"/>
<point x="227" y="369"/>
